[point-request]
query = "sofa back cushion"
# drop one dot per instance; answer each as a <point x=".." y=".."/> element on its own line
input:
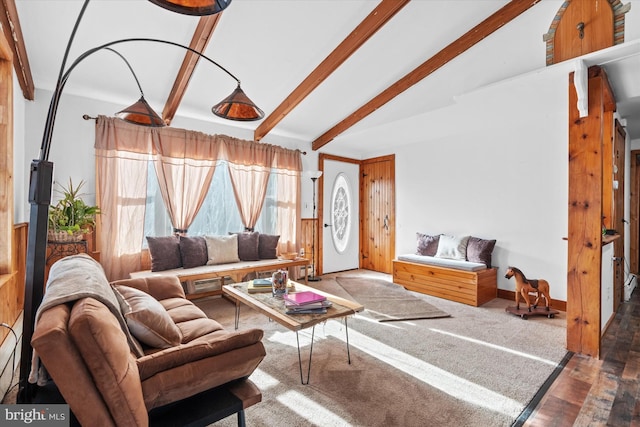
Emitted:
<point x="103" y="346"/>
<point x="147" y="319"/>
<point x="53" y="345"/>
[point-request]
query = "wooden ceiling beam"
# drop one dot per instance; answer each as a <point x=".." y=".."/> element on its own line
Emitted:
<point x="199" y="42"/>
<point x="385" y="10"/>
<point x="494" y="22"/>
<point x="13" y="33"/>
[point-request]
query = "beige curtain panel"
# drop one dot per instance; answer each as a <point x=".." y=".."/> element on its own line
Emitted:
<point x="184" y="162"/>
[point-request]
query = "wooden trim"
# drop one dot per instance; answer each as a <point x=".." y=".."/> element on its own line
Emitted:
<point x="13" y="34"/>
<point x="584" y="250"/>
<point x="199" y="42"/>
<point x="497" y="20"/>
<point x="6" y="157"/>
<point x="12" y="284"/>
<point x="378" y="17"/>
<point x="511" y="295"/>
<point x="634" y="226"/>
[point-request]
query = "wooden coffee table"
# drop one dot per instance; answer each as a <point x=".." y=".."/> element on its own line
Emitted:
<point x="275" y="310"/>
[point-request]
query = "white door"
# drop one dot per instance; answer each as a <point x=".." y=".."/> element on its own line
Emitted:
<point x="340" y="230"/>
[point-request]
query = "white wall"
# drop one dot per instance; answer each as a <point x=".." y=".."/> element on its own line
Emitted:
<point x="499" y="171"/>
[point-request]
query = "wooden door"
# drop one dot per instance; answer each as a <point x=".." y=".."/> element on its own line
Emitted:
<point x="377" y="214"/>
<point x="619" y="137"/>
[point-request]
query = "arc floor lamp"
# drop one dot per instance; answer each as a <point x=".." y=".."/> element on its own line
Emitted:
<point x="236" y="106"/>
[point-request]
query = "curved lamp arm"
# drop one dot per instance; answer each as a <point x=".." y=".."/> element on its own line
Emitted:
<point x="55" y="99"/>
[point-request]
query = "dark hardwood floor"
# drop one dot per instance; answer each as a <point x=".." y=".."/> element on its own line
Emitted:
<point x="604" y="392"/>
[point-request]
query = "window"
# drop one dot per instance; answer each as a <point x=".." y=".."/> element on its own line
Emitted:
<point x="219" y="213"/>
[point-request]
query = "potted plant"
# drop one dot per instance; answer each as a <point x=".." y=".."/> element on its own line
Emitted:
<point x="71" y="217"/>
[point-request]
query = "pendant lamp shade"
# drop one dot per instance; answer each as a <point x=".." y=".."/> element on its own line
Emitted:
<point x="237" y="106"/>
<point x="193" y="7"/>
<point x="141" y="114"/>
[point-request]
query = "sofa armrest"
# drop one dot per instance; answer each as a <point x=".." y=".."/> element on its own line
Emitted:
<point x="210" y="345"/>
<point x="159" y="287"/>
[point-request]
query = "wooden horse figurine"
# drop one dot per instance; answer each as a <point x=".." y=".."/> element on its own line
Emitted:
<point x="524" y="286"/>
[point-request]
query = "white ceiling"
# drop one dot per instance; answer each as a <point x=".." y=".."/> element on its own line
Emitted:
<point x="272" y="45"/>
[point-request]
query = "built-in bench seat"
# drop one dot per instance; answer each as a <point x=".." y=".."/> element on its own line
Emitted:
<point x="456" y="280"/>
<point x="236" y="271"/>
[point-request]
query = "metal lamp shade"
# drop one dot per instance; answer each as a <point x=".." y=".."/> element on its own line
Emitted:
<point x="193" y="7"/>
<point x="237" y="106"/>
<point x="141" y="114"/>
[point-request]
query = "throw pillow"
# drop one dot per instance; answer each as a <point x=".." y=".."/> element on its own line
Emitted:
<point x="165" y="252"/>
<point x="193" y="251"/>
<point x="248" y="245"/>
<point x="452" y="247"/>
<point x="147" y="319"/>
<point x="268" y="246"/>
<point x="222" y="249"/>
<point x="427" y="245"/>
<point x="480" y="250"/>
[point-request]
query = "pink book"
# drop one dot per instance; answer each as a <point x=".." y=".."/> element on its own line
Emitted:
<point x="304" y="297"/>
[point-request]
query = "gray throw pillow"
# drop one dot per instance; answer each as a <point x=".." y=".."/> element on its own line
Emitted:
<point x="165" y="252"/>
<point x="427" y="245"/>
<point x="480" y="250"/>
<point x="248" y="245"/>
<point x="268" y="246"/>
<point x="193" y="251"/>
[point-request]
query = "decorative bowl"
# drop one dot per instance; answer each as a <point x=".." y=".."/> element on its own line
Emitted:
<point x="289" y="255"/>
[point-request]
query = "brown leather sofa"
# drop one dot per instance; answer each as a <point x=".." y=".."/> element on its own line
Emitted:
<point x="85" y="350"/>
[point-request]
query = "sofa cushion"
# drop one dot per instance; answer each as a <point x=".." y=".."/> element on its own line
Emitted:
<point x="104" y="348"/>
<point x="190" y="319"/>
<point x="480" y="250"/>
<point x="222" y="249"/>
<point x="452" y="247"/>
<point x="193" y="251"/>
<point x="165" y="252"/>
<point x="268" y="246"/>
<point x="147" y="319"/>
<point x="458" y="264"/>
<point x="248" y="245"/>
<point x="427" y="244"/>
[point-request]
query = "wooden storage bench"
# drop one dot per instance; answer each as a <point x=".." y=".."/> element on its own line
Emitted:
<point x="468" y="287"/>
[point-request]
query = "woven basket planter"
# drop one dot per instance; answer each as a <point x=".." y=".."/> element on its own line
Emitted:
<point x="64" y="237"/>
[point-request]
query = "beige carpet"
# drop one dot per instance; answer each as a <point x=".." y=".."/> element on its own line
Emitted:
<point x="479" y="367"/>
<point x="389" y="302"/>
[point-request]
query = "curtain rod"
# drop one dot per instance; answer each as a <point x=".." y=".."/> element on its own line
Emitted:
<point x="88" y="117"/>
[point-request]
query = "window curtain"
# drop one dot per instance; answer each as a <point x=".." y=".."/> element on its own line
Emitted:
<point x="184" y="163"/>
<point x="123" y="151"/>
<point x="249" y="169"/>
<point x="122" y="155"/>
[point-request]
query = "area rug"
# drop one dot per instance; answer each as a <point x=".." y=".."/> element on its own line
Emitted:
<point x="386" y="301"/>
<point x="479" y="367"/>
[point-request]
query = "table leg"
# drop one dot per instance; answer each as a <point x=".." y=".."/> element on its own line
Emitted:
<point x="237" y="314"/>
<point x="346" y="331"/>
<point x="313" y="330"/>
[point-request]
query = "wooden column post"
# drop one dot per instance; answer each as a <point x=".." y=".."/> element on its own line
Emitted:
<point x="585" y="215"/>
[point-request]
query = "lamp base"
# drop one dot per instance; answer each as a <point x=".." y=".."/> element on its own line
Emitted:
<point x="314" y="278"/>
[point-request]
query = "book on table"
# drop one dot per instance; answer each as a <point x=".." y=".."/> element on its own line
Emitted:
<point x="303" y="297"/>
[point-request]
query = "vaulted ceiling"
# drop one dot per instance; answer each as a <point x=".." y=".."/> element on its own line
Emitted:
<point x="327" y="72"/>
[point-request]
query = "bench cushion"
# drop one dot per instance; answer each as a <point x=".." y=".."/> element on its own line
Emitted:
<point x="443" y="262"/>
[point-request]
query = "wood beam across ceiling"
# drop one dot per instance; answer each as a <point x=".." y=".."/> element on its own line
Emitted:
<point x="368" y="27"/>
<point x="497" y="20"/>
<point x="13" y="33"/>
<point x="199" y="42"/>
